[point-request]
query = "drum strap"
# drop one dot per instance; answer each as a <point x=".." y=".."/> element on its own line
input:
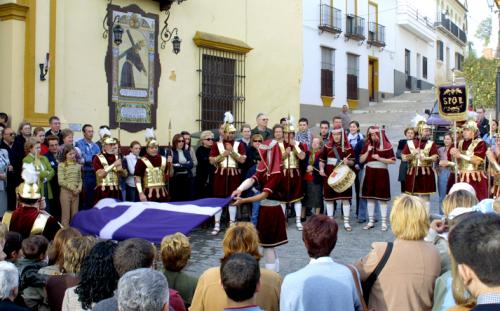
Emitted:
<point x="336" y="154"/>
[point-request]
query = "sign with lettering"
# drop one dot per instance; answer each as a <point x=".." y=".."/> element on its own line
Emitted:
<point x="452" y="101"/>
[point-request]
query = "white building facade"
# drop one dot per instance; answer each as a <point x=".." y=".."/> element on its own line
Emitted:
<point x="357" y="52"/>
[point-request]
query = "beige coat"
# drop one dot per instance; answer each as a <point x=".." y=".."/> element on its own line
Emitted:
<point x="407" y="280"/>
<point x="210" y="296"/>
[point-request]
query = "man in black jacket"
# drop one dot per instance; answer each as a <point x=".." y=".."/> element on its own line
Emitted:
<point x="482" y="123"/>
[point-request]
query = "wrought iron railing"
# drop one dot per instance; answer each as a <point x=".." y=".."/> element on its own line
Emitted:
<point x="330" y="19"/>
<point x="376" y="34"/>
<point x="451" y="28"/>
<point x="355" y="27"/>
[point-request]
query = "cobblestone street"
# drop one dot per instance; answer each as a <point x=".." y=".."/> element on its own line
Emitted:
<point x="395" y="114"/>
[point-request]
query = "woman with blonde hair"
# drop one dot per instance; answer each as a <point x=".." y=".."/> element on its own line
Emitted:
<point x="74" y="250"/>
<point x="408" y="267"/>
<point x="175" y="252"/>
<point x="56" y="251"/>
<point x="209" y="294"/>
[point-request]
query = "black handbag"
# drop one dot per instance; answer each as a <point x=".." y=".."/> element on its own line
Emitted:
<point x="368" y="284"/>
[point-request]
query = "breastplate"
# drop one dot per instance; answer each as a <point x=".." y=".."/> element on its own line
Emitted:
<point x="425" y="152"/>
<point x="154" y="175"/>
<point x="228" y="162"/>
<point x="464" y="165"/>
<point x="292" y="161"/>
<point x="111" y="179"/>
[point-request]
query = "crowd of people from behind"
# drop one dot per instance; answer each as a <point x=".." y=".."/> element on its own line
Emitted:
<point x="450" y="262"/>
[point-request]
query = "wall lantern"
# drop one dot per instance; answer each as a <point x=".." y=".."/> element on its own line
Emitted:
<point x="167" y="34"/>
<point x="176" y="42"/>
<point x="117" y="34"/>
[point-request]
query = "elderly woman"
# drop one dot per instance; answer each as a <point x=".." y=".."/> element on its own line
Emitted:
<point x="74" y="250"/>
<point x="204" y="170"/>
<point x="42" y="165"/>
<point x="143" y="289"/>
<point x="9" y="283"/>
<point x="406" y="281"/>
<point x="175" y="253"/>
<point x="209" y="294"/>
<point x="56" y="251"/>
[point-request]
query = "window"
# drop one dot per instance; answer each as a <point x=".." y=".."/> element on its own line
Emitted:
<point x="222" y="87"/>
<point x="459" y="61"/>
<point x="327" y="72"/>
<point x="352" y="76"/>
<point x="440" y="50"/>
<point x="424" y="67"/>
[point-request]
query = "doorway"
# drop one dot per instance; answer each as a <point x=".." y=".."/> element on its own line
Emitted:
<point x="373" y="79"/>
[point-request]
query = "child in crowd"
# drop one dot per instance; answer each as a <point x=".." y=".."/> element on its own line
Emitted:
<point x="31" y="283"/>
<point x="70" y="179"/>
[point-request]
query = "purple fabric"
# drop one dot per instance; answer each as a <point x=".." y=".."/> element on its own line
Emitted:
<point x="150" y="224"/>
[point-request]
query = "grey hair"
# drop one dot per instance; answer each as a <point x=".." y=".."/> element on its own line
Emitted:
<point x="206" y="134"/>
<point x="260" y="114"/>
<point x="9" y="279"/>
<point x="142" y="289"/>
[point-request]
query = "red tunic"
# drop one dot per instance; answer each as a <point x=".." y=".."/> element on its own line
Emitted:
<point x="376" y="183"/>
<point x="425" y="182"/>
<point x="480" y="184"/>
<point x="140" y="171"/>
<point x="23" y="219"/>
<point x="271" y="224"/>
<point x="101" y="192"/>
<point x="292" y="179"/>
<point x="328" y="152"/>
<point x="226" y="180"/>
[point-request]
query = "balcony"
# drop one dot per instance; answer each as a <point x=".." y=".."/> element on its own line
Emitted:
<point x="330" y="19"/>
<point x="354" y="27"/>
<point x="412" y="20"/>
<point x="376" y="34"/>
<point x="451" y="29"/>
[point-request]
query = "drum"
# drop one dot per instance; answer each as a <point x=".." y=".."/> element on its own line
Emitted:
<point x="341" y="178"/>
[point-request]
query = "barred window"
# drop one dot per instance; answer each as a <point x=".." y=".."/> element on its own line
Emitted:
<point x="222" y="87"/>
<point x="440" y="50"/>
<point x="352" y="76"/>
<point x="327" y="72"/>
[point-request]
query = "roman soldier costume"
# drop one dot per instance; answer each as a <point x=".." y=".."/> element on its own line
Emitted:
<point x="107" y="186"/>
<point x="29" y="218"/>
<point x="153" y="172"/>
<point x="291" y="155"/>
<point x="377" y="153"/>
<point x="471" y="162"/>
<point x="333" y="155"/>
<point x="227" y="176"/>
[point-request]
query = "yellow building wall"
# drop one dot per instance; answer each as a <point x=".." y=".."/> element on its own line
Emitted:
<point x="273" y="67"/>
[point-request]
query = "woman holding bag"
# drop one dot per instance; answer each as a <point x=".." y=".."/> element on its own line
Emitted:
<point x="406" y="280"/>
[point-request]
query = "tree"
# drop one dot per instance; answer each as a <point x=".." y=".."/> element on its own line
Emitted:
<point x="480" y="74"/>
<point x="483" y="31"/>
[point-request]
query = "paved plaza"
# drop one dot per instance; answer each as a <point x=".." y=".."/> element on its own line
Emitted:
<point x="395" y="114"/>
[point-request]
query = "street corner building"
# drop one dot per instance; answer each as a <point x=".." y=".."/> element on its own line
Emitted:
<point x="358" y="52"/>
<point x="149" y="63"/>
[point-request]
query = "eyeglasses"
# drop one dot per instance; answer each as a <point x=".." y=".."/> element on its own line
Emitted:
<point x="180" y="141"/>
<point x="266" y="119"/>
<point x="209" y="139"/>
<point x="257" y="141"/>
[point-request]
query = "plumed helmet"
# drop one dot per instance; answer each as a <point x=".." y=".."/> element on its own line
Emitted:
<point x="29" y="189"/>
<point x="150" y="138"/>
<point x="229" y="122"/>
